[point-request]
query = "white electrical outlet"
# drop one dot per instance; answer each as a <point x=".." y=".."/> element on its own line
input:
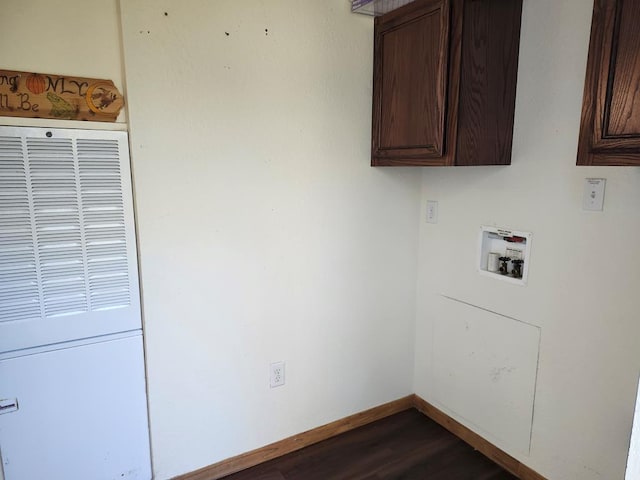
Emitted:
<point x="276" y="374"/>
<point x="432" y="211"/>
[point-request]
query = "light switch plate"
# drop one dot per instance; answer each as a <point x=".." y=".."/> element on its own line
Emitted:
<point x="8" y="405"/>
<point x="432" y="211"/>
<point x="593" y="196"/>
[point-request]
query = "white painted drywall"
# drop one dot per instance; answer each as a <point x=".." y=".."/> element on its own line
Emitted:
<point x="264" y="234"/>
<point x="583" y="277"/>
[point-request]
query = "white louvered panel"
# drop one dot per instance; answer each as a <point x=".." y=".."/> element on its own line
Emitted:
<point x="19" y="296"/>
<point x="58" y="225"/>
<point x="67" y="242"/>
<point x="104" y="222"/>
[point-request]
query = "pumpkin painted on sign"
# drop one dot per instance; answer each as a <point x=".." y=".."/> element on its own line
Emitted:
<point x="36" y="83"/>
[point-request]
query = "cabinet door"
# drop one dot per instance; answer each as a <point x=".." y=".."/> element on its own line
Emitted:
<point x="610" y="128"/>
<point x="411" y="62"/>
<point x="81" y="413"/>
<point x="68" y="266"/>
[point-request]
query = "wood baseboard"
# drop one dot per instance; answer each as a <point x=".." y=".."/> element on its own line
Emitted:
<point x="291" y="444"/>
<point x="489" y="450"/>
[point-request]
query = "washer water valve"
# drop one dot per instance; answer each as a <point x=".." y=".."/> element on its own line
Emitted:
<point x="504" y="268"/>
<point x="517" y="268"/>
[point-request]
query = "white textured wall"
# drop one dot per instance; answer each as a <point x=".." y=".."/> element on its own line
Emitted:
<point x="264" y="234"/>
<point x="583" y="277"/>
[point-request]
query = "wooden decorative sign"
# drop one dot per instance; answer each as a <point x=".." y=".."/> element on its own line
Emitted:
<point x="38" y="95"/>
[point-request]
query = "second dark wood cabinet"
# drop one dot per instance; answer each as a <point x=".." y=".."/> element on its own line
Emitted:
<point x="444" y="83"/>
<point x="610" y="128"/>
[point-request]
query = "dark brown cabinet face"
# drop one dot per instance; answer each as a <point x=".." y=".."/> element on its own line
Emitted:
<point x="444" y="83"/>
<point x="412" y="87"/>
<point x="610" y="126"/>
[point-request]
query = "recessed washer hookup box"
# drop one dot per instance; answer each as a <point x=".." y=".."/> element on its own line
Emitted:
<point x="504" y="254"/>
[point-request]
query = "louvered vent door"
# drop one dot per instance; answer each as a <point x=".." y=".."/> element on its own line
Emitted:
<point x="68" y="266"/>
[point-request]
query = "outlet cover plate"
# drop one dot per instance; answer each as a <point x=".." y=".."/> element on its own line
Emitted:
<point x="593" y="196"/>
<point x="276" y="374"/>
<point x="432" y="211"/>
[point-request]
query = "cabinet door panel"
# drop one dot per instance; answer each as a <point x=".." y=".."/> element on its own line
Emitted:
<point x="488" y="77"/>
<point x="410" y="89"/>
<point x="610" y="126"/>
<point x="623" y="95"/>
<point x="406" y="116"/>
<point x="82" y="413"/>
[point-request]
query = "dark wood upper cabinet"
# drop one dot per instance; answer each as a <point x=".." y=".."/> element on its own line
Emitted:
<point x="444" y="83"/>
<point x="610" y="125"/>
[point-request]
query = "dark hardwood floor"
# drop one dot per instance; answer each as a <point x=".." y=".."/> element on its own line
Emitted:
<point x="406" y="446"/>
